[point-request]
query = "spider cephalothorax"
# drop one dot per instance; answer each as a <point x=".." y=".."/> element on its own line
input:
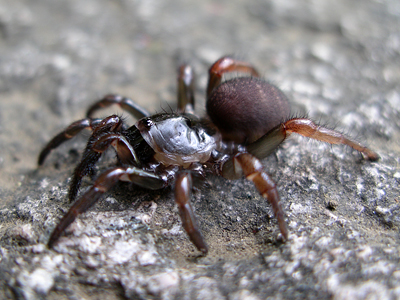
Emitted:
<point x="247" y="118"/>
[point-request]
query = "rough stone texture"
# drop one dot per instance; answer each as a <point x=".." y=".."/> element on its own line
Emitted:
<point x="338" y="61"/>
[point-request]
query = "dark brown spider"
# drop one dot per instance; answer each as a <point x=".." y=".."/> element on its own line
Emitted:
<point x="249" y="119"/>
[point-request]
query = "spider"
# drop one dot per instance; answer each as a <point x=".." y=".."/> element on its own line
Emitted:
<point x="247" y="119"/>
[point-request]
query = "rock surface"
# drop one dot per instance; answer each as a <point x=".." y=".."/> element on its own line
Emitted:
<point x="339" y="62"/>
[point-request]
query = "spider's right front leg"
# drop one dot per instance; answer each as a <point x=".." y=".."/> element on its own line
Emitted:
<point x="103" y="184"/>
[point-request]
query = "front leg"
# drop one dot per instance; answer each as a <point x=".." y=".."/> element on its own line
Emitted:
<point x="103" y="184"/>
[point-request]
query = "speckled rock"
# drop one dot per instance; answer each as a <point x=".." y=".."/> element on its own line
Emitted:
<point x="338" y="62"/>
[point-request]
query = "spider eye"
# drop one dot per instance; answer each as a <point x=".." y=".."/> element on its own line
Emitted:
<point x="148" y="123"/>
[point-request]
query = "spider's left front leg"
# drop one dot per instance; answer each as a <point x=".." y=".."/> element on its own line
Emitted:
<point x="103" y="184"/>
<point x="111" y="124"/>
<point x="251" y="167"/>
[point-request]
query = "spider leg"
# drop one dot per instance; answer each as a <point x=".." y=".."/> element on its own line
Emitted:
<point x="224" y="65"/>
<point x="68" y="133"/>
<point x="125" y="103"/>
<point x="251" y="167"/>
<point x="305" y="127"/>
<point x="183" y="191"/>
<point x="186" y="87"/>
<point x="104" y="183"/>
<point x="90" y="157"/>
<point x="308" y="128"/>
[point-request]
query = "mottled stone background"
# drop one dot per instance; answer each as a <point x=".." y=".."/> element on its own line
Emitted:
<point x="338" y="61"/>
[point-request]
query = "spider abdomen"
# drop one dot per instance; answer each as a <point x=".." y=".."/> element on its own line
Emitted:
<point x="246" y="108"/>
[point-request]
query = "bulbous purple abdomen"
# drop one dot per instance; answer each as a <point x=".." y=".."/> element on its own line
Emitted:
<point x="246" y="108"/>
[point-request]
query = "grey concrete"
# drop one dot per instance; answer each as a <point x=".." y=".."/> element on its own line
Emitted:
<point x="338" y="61"/>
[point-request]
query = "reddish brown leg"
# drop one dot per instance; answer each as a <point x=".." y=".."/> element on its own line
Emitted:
<point x="305" y="127"/>
<point x="67" y="134"/>
<point x="308" y="128"/>
<point x="103" y="184"/>
<point x="183" y="191"/>
<point x="224" y="65"/>
<point x="125" y="103"/>
<point x="186" y="87"/>
<point x="253" y="170"/>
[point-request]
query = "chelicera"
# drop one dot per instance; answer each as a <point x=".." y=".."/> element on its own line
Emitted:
<point x="247" y="119"/>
